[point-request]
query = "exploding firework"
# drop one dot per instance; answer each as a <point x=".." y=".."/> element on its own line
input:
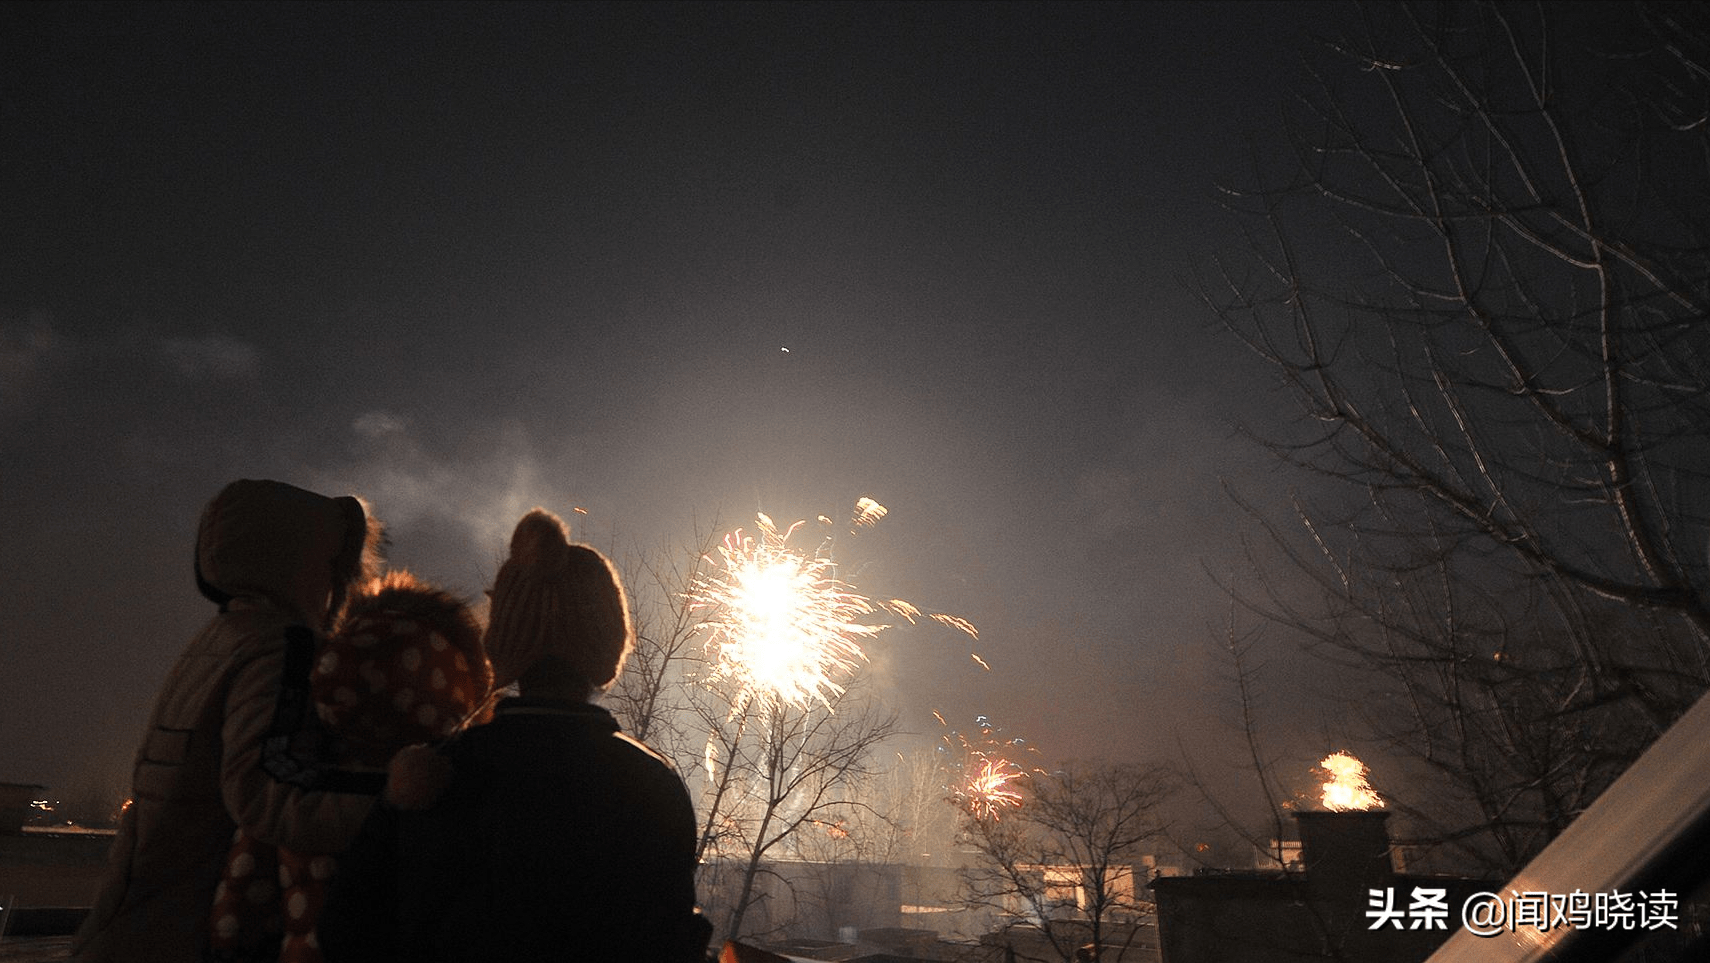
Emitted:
<point x="1347" y="789"/>
<point x="781" y="625"/>
<point x="986" y="781"/>
<point x="991" y="790"/>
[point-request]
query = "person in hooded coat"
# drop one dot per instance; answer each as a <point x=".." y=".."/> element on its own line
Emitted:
<point x="559" y="837"/>
<point x="232" y="739"/>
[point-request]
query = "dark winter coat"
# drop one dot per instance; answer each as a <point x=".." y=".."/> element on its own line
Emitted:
<point x="231" y="740"/>
<point x="559" y="838"/>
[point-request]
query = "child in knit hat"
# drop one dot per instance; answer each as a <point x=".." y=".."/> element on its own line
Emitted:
<point x="559" y="616"/>
<point x="559" y="836"/>
<point x="405" y="666"/>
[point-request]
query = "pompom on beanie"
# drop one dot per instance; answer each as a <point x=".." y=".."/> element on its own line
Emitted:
<point x="554" y="600"/>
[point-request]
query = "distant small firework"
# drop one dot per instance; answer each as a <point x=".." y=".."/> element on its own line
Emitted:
<point x="960" y="625"/>
<point x="867" y="514"/>
<point x="988" y="782"/>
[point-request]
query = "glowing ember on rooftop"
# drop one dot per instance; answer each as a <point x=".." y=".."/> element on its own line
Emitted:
<point x="1346" y="789"/>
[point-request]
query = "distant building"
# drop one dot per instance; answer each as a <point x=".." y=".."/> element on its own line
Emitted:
<point x="895" y="913"/>
<point x="1346" y="902"/>
<point x="45" y="867"/>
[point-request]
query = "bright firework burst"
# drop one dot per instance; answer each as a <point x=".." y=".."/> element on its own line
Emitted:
<point x="991" y="790"/>
<point x="783" y="627"/>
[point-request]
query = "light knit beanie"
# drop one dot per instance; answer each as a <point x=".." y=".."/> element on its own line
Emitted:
<point x="553" y="600"/>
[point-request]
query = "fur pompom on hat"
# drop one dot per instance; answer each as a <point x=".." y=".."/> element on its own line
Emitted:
<point x="556" y="605"/>
<point x="405" y="666"/>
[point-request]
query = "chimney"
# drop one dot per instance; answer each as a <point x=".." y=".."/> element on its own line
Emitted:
<point x="1345" y="853"/>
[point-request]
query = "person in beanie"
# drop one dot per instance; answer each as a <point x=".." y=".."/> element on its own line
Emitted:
<point x="231" y="741"/>
<point x="404" y="667"/>
<point x="559" y="837"/>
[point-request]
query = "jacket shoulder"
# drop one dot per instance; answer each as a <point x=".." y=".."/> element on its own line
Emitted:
<point x="243" y="634"/>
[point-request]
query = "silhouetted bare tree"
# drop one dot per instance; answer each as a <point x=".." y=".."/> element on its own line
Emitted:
<point x="775" y="771"/>
<point x="761" y="774"/>
<point x="1259" y="767"/>
<point x="1065" y="860"/>
<point x="651" y="698"/>
<point x="1484" y="279"/>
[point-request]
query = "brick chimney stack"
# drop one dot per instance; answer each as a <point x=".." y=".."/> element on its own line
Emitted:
<point x="1345" y="853"/>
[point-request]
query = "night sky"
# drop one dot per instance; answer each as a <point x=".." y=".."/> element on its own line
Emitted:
<point x="668" y="265"/>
